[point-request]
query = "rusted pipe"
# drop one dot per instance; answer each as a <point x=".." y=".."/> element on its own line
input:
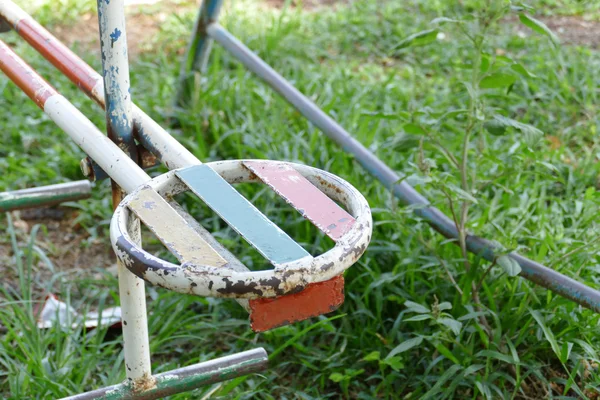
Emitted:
<point x="150" y="134"/>
<point x="81" y="130"/>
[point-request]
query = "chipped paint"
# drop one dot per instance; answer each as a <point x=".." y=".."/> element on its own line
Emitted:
<point x="119" y="127"/>
<point x="115" y="67"/>
<point x="171" y="229"/>
<point x="297" y="191"/>
<point x="226" y="282"/>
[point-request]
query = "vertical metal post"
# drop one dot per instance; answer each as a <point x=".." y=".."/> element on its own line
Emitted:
<point x="198" y="51"/>
<point x="115" y="67"/>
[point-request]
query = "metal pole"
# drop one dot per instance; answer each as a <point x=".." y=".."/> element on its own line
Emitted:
<point x="198" y="51"/>
<point x="150" y="134"/>
<point x="45" y="195"/>
<point x="156" y="139"/>
<point x="81" y="130"/>
<point x="535" y="272"/>
<point x="119" y="126"/>
<point x="129" y="176"/>
<point x="187" y="378"/>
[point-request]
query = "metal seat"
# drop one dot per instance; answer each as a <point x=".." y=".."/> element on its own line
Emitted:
<point x="202" y="270"/>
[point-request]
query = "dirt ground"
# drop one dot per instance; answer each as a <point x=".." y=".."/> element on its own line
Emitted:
<point x="65" y="243"/>
<point x="573" y="30"/>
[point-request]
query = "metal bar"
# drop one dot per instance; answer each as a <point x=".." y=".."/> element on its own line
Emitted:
<point x="81" y="130"/>
<point x="150" y="134"/>
<point x="297" y="191"/>
<point x="273" y="243"/>
<point x="129" y="175"/>
<point x="119" y="126"/>
<point x="198" y="51"/>
<point x="45" y="195"/>
<point x="187" y="378"/>
<point x="183" y="241"/>
<point x="535" y="272"/>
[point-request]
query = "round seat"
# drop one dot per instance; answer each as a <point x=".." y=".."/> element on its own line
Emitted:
<point x="205" y="272"/>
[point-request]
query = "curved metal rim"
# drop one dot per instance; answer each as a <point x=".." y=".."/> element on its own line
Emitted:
<point x="211" y="281"/>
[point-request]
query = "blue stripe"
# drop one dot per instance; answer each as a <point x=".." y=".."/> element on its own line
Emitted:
<point x="241" y="215"/>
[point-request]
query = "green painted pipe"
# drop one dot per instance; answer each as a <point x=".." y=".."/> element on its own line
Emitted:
<point x="185" y="379"/>
<point x="45" y="195"/>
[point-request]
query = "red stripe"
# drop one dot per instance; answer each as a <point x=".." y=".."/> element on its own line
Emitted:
<point x="58" y="54"/>
<point x="314" y="205"/>
<point x="24" y="76"/>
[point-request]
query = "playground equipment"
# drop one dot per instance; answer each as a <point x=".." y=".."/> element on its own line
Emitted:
<point x="299" y="286"/>
<point x="127" y="123"/>
<point x="207" y="30"/>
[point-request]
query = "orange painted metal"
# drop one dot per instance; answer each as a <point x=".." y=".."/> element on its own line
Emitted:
<point x="317" y="299"/>
<point x="58" y="54"/>
<point x="24" y="76"/>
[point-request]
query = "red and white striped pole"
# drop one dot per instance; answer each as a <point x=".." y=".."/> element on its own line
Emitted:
<point x="124" y="171"/>
<point x="83" y="132"/>
<point x="150" y="134"/>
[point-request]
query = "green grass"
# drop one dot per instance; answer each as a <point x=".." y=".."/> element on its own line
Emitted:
<point x="406" y="331"/>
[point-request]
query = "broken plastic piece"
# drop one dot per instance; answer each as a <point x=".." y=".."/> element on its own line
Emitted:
<point x="55" y="312"/>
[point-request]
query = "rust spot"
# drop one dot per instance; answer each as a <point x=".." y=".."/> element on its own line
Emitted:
<point x="144" y="383"/>
<point x="275" y="283"/>
<point x="325" y="183"/>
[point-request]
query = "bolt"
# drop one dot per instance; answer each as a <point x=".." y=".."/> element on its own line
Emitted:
<point x="86" y="168"/>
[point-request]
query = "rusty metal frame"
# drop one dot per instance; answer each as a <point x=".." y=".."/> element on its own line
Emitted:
<point x="156" y="140"/>
<point x="112" y="93"/>
<point x="114" y="160"/>
<point x="221" y="281"/>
